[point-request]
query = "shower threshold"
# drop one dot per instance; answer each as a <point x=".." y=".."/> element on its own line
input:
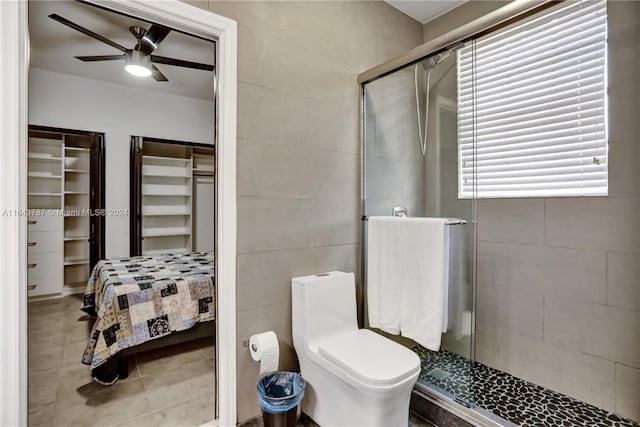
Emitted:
<point x="504" y="398"/>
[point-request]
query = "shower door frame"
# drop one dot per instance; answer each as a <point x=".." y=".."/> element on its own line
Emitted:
<point x="499" y="18"/>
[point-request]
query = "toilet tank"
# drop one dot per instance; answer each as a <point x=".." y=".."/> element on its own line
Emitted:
<point x="322" y="304"/>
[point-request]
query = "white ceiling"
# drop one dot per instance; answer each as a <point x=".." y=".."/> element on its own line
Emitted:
<point x="425" y="10"/>
<point x="54" y="45"/>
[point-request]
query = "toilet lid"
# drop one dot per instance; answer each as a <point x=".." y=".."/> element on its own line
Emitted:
<point x="370" y="357"/>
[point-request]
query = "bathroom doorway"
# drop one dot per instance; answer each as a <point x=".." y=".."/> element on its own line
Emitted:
<point x="175" y="15"/>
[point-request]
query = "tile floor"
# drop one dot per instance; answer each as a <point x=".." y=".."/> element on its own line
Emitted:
<point x="173" y="386"/>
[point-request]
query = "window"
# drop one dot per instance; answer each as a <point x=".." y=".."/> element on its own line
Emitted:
<point x="532" y="107"/>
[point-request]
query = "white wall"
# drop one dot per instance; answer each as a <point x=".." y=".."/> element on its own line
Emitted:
<point x="65" y="101"/>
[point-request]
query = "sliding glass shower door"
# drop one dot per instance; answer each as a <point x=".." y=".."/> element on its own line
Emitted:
<point x="410" y="161"/>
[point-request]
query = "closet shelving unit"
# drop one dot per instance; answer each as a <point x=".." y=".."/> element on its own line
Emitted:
<point x="45" y="173"/>
<point x="77" y="232"/>
<point x="167" y="194"/>
<point x="166" y="205"/>
<point x="45" y="228"/>
<point x="60" y="249"/>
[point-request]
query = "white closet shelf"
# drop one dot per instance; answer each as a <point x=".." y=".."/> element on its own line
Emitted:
<point x="69" y="262"/>
<point x="168" y="175"/>
<point x="44" y="157"/>
<point x="165" y="231"/>
<point x="45" y="141"/>
<point x="152" y="210"/>
<point x="44" y="175"/>
<point x="81" y="149"/>
<point x="166" y="213"/>
<point x="165" y="160"/>
<point x="76" y="238"/>
<point x="76" y="171"/>
<point x="157" y="193"/>
<point x="76" y="193"/>
<point x="203" y="170"/>
<point x="45" y="194"/>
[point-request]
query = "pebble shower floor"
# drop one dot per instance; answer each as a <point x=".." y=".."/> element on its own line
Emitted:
<point x="509" y="397"/>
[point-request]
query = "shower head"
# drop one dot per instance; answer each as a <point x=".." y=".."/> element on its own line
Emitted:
<point x="434" y="60"/>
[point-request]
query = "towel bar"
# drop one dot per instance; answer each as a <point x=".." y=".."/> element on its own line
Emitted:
<point x="453" y="221"/>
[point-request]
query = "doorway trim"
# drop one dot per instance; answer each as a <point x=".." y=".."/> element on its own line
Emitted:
<point x="14" y="65"/>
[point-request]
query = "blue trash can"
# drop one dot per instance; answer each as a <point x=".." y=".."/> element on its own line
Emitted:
<point x="279" y="394"/>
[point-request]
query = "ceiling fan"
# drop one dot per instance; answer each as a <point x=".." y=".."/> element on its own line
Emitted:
<point x="139" y="60"/>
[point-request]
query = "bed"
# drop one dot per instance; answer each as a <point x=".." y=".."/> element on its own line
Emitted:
<point x="146" y="302"/>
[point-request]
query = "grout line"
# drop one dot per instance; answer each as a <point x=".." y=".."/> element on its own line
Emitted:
<point x="615" y="387"/>
<point x="297" y="248"/>
<point x="544" y="222"/>
<point x="596" y="356"/>
<point x="543" y="316"/>
<point x="606" y="277"/>
<point x="253" y="142"/>
<point x="280" y="197"/>
<point x="135" y="359"/>
<point x="626" y="365"/>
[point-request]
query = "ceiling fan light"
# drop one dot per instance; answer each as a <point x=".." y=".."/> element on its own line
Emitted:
<point x="137" y="70"/>
<point x="138" y="64"/>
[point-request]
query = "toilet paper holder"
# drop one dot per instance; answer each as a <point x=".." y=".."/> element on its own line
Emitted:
<point x="245" y="343"/>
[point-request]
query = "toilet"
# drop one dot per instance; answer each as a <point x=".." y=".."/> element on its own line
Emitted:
<point x="354" y="377"/>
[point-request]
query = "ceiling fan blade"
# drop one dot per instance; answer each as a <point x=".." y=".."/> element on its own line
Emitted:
<point x="100" y="58"/>
<point x="157" y="74"/>
<point x="89" y="33"/>
<point x="153" y="37"/>
<point x="181" y="63"/>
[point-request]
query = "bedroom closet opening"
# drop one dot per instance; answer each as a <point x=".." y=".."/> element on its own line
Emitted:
<point x="65" y="198"/>
<point x="172" y="196"/>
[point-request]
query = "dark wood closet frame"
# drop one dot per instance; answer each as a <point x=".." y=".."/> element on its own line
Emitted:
<point x="135" y="192"/>
<point x="97" y="183"/>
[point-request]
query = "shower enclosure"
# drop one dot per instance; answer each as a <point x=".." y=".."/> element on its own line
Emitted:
<point x="501" y="127"/>
<point x="410" y="159"/>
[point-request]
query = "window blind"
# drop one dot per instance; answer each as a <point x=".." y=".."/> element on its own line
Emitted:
<point x="532" y="107"/>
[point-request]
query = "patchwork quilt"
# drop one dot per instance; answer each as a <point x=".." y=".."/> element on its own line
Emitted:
<point x="143" y="298"/>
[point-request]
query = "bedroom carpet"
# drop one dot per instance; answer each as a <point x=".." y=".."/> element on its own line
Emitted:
<point x="173" y="386"/>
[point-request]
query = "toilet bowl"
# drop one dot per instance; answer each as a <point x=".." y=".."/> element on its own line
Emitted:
<point x="354" y="377"/>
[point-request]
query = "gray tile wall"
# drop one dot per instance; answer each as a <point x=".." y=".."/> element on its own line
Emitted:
<point x="559" y="294"/>
<point x="559" y="278"/>
<point x="299" y="151"/>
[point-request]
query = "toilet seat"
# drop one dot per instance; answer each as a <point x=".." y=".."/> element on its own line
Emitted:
<point x="370" y="357"/>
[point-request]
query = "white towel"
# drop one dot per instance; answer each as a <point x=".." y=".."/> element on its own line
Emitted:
<point x="425" y="268"/>
<point x="384" y="273"/>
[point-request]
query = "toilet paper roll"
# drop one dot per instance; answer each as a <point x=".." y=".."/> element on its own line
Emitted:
<point x="264" y="348"/>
